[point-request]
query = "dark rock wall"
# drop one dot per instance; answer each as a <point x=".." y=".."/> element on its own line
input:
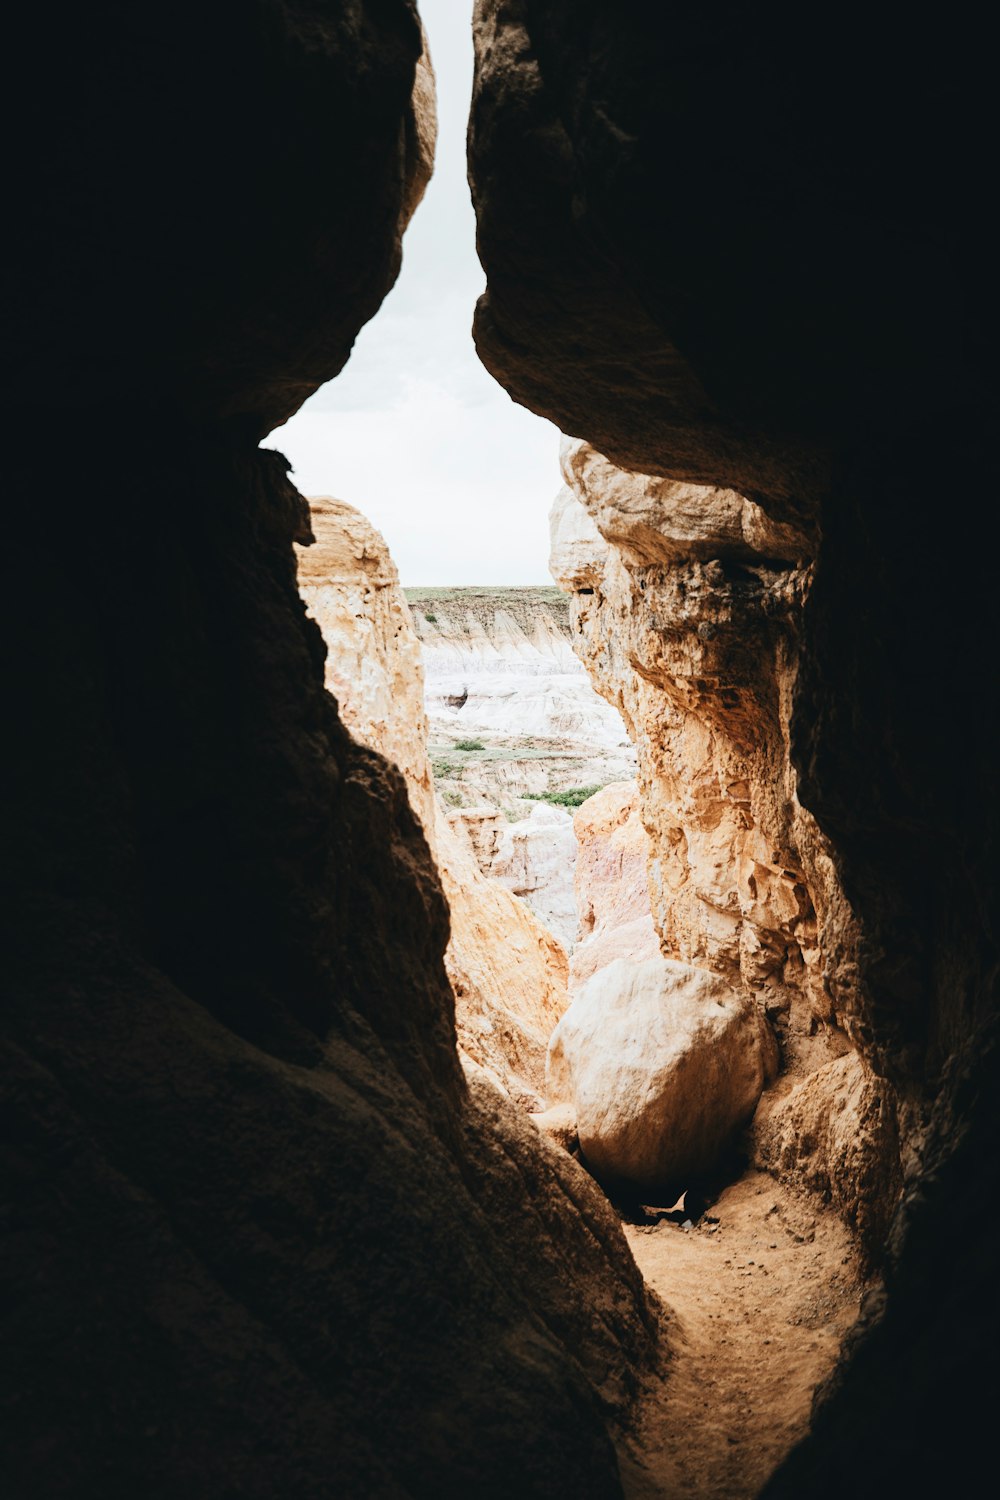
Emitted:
<point x="260" y="1238"/>
<point x="745" y="247"/>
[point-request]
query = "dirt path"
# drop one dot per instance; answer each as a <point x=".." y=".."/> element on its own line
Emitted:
<point x="760" y="1302"/>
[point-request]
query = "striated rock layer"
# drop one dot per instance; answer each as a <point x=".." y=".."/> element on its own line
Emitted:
<point x="507" y="971"/>
<point x="737" y="257"/>
<point x="260" y="1235"/>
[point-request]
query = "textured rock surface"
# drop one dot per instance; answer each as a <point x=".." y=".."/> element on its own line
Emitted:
<point x="835" y="1134"/>
<point x="612" y="887"/>
<point x="694" y="636"/>
<point x="683" y="345"/>
<point x="663" y="1065"/>
<point x="785" y="296"/>
<point x="254" y="1220"/>
<point x="351" y="589"/>
<point x="577" y="551"/>
<point x="508" y="971"/>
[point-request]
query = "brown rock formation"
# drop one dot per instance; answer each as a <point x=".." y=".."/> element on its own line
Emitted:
<point x="689" y="624"/>
<point x="260" y="1237"/>
<point x="733" y="254"/>
<point x="507" y="971"/>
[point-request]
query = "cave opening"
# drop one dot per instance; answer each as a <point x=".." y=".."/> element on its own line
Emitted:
<point x="640" y="906"/>
<point x="263" y="1232"/>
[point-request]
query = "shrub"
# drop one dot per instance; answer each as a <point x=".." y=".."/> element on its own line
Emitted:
<point x="431" y="619"/>
<point x="572" y="797"/>
<point x="469" y="745"/>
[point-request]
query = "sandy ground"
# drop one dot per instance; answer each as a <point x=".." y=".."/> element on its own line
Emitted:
<point x="758" y="1305"/>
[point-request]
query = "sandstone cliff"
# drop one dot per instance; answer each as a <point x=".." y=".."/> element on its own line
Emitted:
<point x="686" y="604"/>
<point x="508" y="972"/>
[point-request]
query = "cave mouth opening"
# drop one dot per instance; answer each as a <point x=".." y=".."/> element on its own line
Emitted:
<point x="715" y="864"/>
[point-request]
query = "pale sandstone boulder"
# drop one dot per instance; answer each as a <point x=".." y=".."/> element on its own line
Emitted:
<point x="612" y="888"/>
<point x="558" y="1124"/>
<point x="690" y="633"/>
<point x="663" y="1064"/>
<point x="507" y="970"/>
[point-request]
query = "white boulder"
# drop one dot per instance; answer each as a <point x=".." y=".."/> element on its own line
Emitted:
<point x="663" y="1065"/>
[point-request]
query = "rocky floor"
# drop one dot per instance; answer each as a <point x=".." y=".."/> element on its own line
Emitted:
<point x="762" y="1290"/>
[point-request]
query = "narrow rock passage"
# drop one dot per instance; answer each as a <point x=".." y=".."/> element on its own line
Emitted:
<point x="760" y="1303"/>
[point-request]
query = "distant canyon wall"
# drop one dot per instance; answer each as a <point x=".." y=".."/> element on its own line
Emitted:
<point x="502" y="659"/>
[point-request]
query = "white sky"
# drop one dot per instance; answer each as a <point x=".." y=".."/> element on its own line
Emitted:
<point x="414" y="432"/>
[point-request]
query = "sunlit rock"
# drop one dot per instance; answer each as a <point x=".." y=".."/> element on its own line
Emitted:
<point x="663" y="1065"/>
<point x="507" y="970"/>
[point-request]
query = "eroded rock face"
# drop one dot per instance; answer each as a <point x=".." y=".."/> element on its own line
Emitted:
<point x="748" y="295"/>
<point x="694" y="635"/>
<point x="257" y="1219"/>
<point x="507" y="969"/>
<point x="351" y="589"/>
<point x="663" y="1064"/>
<point x="502" y="661"/>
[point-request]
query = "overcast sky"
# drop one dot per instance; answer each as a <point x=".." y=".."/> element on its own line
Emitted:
<point x="414" y="432"/>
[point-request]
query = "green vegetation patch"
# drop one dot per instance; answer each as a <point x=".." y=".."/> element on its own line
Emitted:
<point x="572" y="797"/>
<point x="469" y="745"/>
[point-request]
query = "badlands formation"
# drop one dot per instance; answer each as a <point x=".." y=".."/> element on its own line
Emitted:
<point x="518" y="735"/>
<point x="263" y="1234"/>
